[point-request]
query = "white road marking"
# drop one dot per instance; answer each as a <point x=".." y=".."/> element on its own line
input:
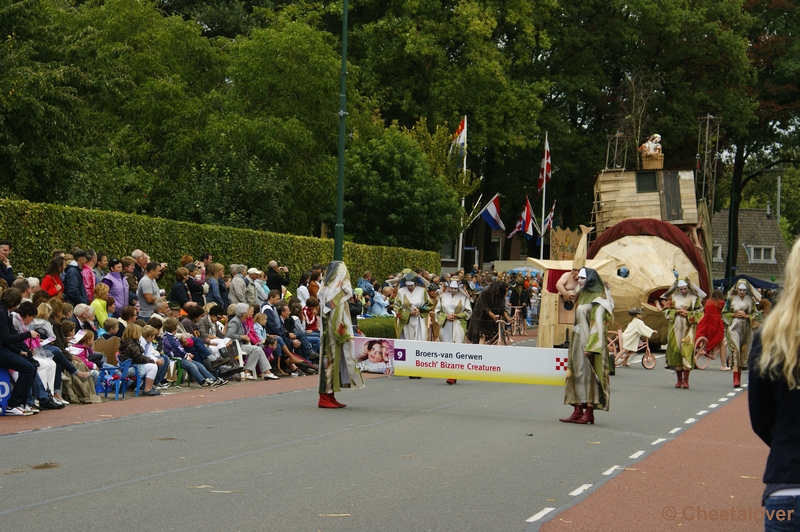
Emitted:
<point x="539" y="515"/>
<point x="609" y="471"/>
<point x="700" y="413"/>
<point x="731" y="394"/>
<point x="580" y="490"/>
<point x="637" y="454"/>
<point x="738" y="389"/>
<point x="658" y="441"/>
<point x="676" y="429"/>
<point x="690" y="420"/>
<point x="713" y="405"/>
<point x="722" y="399"/>
<point x="744" y="386"/>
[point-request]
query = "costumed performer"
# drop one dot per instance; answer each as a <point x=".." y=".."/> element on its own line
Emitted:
<point x="337" y="362"/>
<point x="683" y="315"/>
<point x="587" y="384"/>
<point x="452" y="314"/>
<point x="740" y="312"/>
<point x="712" y="328"/>
<point x="488" y="310"/>
<point x="632" y="335"/>
<point x="412" y="306"/>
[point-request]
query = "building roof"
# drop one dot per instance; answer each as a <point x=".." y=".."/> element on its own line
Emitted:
<point x="756" y="228"/>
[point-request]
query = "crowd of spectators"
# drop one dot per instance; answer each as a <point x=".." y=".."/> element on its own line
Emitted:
<point x="247" y="325"/>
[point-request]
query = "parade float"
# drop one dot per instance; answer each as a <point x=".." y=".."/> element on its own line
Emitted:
<point x="648" y="228"/>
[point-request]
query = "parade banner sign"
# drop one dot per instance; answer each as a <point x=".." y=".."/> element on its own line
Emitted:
<point x="563" y="243"/>
<point x="492" y="363"/>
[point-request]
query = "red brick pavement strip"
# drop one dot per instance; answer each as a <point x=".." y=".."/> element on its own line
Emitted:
<point x="170" y="399"/>
<point x="687" y="484"/>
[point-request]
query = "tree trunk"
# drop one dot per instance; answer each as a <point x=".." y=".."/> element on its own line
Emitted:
<point x="733" y="214"/>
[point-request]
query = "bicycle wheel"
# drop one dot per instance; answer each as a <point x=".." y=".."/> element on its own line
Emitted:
<point x="701" y="357"/>
<point x="611" y="342"/>
<point x="648" y="360"/>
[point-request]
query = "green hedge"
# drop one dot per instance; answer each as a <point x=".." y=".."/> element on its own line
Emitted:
<point x="35" y="229"/>
<point x="377" y="327"/>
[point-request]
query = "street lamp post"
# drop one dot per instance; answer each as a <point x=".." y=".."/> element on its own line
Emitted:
<point x="338" y="230"/>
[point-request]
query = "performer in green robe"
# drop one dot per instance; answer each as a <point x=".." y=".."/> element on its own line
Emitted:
<point x="587" y="384"/>
<point x="337" y="363"/>
<point x="741" y="310"/>
<point x="683" y="316"/>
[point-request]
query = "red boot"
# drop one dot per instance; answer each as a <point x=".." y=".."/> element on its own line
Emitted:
<point x="451" y="381"/>
<point x="326" y="402"/>
<point x="576" y="414"/>
<point x="686" y="379"/>
<point x="334" y="401"/>
<point x="587" y="417"/>
<point x="737" y="378"/>
<point x="679" y="384"/>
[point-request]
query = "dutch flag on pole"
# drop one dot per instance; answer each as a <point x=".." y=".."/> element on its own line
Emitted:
<point x="491" y="213"/>
<point x="460" y="137"/>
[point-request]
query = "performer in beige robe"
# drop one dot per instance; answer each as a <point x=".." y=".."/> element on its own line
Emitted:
<point x="739" y="314"/>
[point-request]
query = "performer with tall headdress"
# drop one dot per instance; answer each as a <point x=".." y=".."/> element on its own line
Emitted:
<point x="337" y="359"/>
<point x="452" y="313"/>
<point x="739" y="314"/>
<point x="587" y="384"/>
<point x="411" y="306"/>
<point x="683" y="315"/>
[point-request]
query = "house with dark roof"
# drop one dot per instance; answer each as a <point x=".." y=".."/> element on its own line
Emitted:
<point x="762" y="251"/>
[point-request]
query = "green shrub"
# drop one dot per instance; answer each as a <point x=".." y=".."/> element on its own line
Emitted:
<point x="35" y="229"/>
<point x="377" y="327"/>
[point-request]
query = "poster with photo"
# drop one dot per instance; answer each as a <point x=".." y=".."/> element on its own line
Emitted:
<point x="375" y="355"/>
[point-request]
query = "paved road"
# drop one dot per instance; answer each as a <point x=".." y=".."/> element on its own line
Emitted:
<point x="406" y="455"/>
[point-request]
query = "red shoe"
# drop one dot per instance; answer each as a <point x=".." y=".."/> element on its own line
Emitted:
<point x="334" y="401"/>
<point x="576" y="414"/>
<point x="325" y="401"/>
<point x="737" y="379"/>
<point x="587" y="417"/>
<point x="685" y="379"/>
<point x="452" y="381"/>
<point x="679" y="384"/>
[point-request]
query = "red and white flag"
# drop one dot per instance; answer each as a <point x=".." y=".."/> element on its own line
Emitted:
<point x="548" y="222"/>
<point x="546" y="172"/>
<point x="526" y="222"/>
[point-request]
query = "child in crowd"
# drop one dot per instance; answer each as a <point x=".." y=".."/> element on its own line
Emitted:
<point x="311" y="316"/>
<point x="131" y="349"/>
<point x="99" y="304"/>
<point x="149" y="346"/>
<point x="173" y="348"/>
<point x="110" y="328"/>
<point x="260" y="326"/>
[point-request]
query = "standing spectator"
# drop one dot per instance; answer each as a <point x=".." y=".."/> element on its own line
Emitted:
<point x="238" y="291"/>
<point x="117" y="285"/>
<point x="141" y="259"/>
<point x="302" y="288"/>
<point x="148" y="290"/>
<point x="251" y="291"/>
<point x="180" y="292"/>
<point x="101" y="267"/>
<point x="52" y="283"/>
<point x="313" y="284"/>
<point x="215" y="283"/>
<point x="195" y="285"/>
<point x="87" y="272"/>
<point x="24" y="287"/>
<point x="365" y="284"/>
<point x="277" y="276"/>
<point x="207" y="261"/>
<point x="128" y="266"/>
<point x="74" y="291"/>
<point x="6" y="271"/>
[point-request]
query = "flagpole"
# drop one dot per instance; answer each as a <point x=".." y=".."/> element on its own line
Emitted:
<point x="544" y="193"/>
<point x="461" y="234"/>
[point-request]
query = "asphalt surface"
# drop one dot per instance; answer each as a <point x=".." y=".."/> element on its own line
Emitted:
<point x="405" y="455"/>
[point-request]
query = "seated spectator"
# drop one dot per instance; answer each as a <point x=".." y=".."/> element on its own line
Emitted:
<point x="21" y="318"/>
<point x="6" y="271"/>
<point x="84" y="317"/>
<point x="294" y="325"/>
<point x="52" y="282"/>
<point x="110" y="328"/>
<point x="365" y="284"/>
<point x="41" y="324"/>
<point x="100" y="305"/>
<point x="311" y="316"/>
<point x="24" y="288"/>
<point x="180" y="291"/>
<point x="128" y="315"/>
<point x="257" y="363"/>
<point x="26" y="371"/>
<point x="131" y="349"/>
<point x="83" y="349"/>
<point x="173" y="348"/>
<point x="190" y="324"/>
<point x="74" y="291"/>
